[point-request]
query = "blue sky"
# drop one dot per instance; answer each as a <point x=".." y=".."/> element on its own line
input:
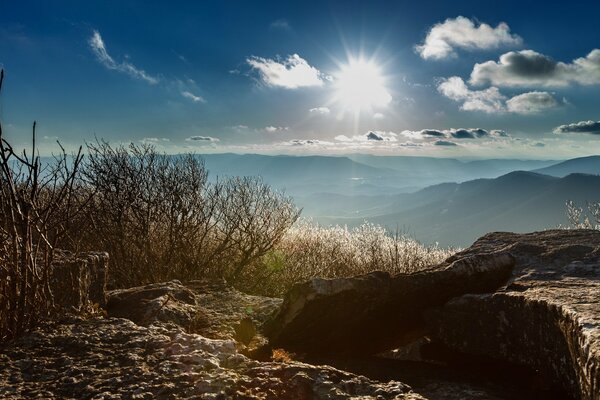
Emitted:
<point x="477" y="79"/>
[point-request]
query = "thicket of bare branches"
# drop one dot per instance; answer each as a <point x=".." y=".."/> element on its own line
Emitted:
<point x="160" y="218"/>
<point x="36" y="204"/>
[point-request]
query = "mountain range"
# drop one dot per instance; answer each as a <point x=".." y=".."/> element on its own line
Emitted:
<point x="435" y="200"/>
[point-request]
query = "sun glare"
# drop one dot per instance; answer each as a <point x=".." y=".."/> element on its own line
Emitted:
<point x="360" y="85"/>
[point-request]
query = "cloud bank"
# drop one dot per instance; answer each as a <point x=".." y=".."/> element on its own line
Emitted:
<point x="460" y="133"/>
<point x="371" y="136"/>
<point x="529" y="69"/>
<point x="592" y="127"/>
<point x="491" y="100"/>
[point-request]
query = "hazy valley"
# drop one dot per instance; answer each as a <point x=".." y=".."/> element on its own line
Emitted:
<point x="435" y="200"/>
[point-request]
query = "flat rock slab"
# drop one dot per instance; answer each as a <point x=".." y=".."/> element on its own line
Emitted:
<point x="547" y="318"/>
<point x="116" y="359"/>
<point x="376" y="312"/>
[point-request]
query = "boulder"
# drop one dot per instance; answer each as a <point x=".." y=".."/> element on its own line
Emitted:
<point x="165" y="302"/>
<point x="376" y="312"/>
<point x="78" y="279"/>
<point x="547" y="318"/>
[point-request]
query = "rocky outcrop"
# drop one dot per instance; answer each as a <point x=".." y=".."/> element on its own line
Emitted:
<point x="211" y="308"/>
<point x="116" y="359"/>
<point x="377" y="312"/>
<point x="547" y="318"/>
<point x="78" y="279"/>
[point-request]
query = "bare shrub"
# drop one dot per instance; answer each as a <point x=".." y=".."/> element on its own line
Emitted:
<point x="160" y="218"/>
<point x="308" y="250"/>
<point x="35" y="205"/>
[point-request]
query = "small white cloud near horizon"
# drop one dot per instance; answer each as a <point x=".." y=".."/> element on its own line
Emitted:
<point x="200" y="139"/>
<point x="378" y="115"/>
<point x="99" y="48"/>
<point x="320" y="110"/>
<point x="371" y="136"/>
<point x="276" y="129"/>
<point x="192" y="97"/>
<point x="291" y="73"/>
<point x="461" y="32"/>
<point x="306" y="142"/>
<point x="154" y="140"/>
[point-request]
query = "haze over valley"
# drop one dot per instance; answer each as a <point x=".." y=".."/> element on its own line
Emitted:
<point x="435" y="200"/>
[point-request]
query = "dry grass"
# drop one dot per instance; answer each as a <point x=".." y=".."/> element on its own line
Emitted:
<point x="308" y="250"/>
<point x="280" y="355"/>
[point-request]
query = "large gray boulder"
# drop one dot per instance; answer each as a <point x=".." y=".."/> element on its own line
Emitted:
<point x="376" y="312"/>
<point x="159" y="302"/>
<point x="547" y="318"/>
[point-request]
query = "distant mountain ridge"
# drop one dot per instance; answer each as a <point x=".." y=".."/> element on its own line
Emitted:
<point x="359" y="174"/>
<point x="584" y="165"/>
<point x="424" y="195"/>
<point x="520" y="201"/>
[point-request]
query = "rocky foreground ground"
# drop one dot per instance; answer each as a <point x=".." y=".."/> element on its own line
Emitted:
<point x="512" y="317"/>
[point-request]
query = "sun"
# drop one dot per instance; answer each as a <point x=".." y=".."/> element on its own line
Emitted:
<point x="360" y="85"/>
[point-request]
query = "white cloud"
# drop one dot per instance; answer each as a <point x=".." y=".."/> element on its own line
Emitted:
<point x="99" y="48"/>
<point x="531" y="103"/>
<point x="307" y="142"/>
<point x="489" y="100"/>
<point x="378" y="116"/>
<point x="592" y="127"/>
<point x="320" y="110"/>
<point x="291" y="73"/>
<point x="463" y="33"/>
<point x="193" y="97"/>
<point x="452" y="133"/>
<point x="371" y="136"/>
<point x="240" y="128"/>
<point x="282" y="24"/>
<point x="275" y="129"/>
<point x="530" y="69"/>
<point x="200" y="139"/>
